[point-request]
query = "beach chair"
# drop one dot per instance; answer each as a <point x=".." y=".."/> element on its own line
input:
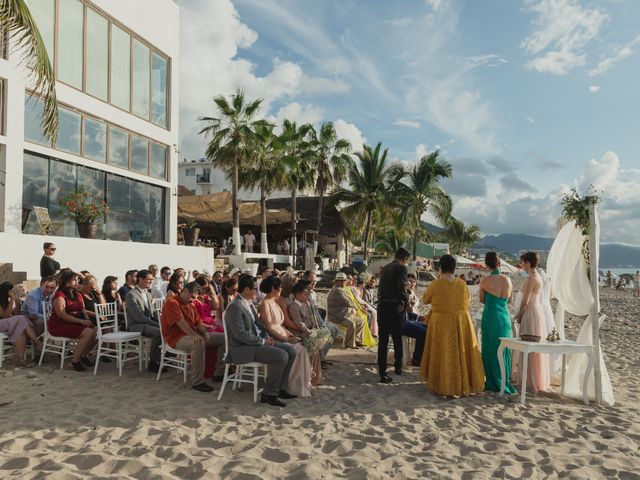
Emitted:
<point x="47" y="227"/>
<point x="122" y="346"/>
<point x="55" y="345"/>
<point x="179" y="359"/>
<point x="245" y="373"/>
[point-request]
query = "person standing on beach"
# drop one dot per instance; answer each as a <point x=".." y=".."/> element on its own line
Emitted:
<point x="249" y="241"/>
<point x="392" y="302"/>
<point x="609" y="278"/>
<point x="636" y="284"/>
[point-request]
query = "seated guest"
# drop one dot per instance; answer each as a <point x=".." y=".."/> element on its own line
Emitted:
<point x="311" y="277"/>
<point x="288" y="280"/>
<point x="272" y="318"/>
<point x="32" y="306"/>
<point x="48" y="265"/>
<point x="16" y="326"/>
<point x="342" y="311"/>
<point x="140" y="317"/>
<point x="183" y="330"/>
<point x="451" y="363"/>
<point x="413" y="326"/>
<point x="266" y="273"/>
<point x="228" y="295"/>
<point x="110" y="294"/>
<point x="371" y="312"/>
<point x="129" y="283"/>
<point x="91" y="296"/>
<point x="371" y="292"/>
<point x="174" y="285"/>
<point x="216" y="282"/>
<point x="159" y="282"/>
<point x="304" y="284"/>
<point x="246" y="345"/>
<point x="69" y="319"/>
<point x="361" y="311"/>
<point x="206" y="304"/>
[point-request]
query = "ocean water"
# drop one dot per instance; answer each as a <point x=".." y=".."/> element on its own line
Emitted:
<point x="620" y="271"/>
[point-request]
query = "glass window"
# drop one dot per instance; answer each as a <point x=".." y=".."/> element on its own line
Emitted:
<point x="43" y="12"/>
<point x="158" y="90"/>
<point x="118" y="147"/>
<point x="139" y="206"/>
<point x="141" y="79"/>
<point x="97" y="54"/>
<point x="139" y="154"/>
<point x="93" y="182"/>
<point x="120" y="67"/>
<point x="70" y="36"/>
<point x="158" y="160"/>
<point x="95" y="140"/>
<point x="156" y="214"/>
<point x="33" y="108"/>
<point x="34" y="187"/>
<point x="62" y="180"/>
<point x="118" y="201"/>
<point x="68" y="131"/>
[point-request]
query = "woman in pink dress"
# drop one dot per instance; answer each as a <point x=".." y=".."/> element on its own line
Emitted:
<point x="207" y="305"/>
<point x="272" y="319"/>
<point x="532" y="322"/>
<point x="17" y="327"/>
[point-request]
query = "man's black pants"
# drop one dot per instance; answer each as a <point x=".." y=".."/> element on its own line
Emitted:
<point x="390" y="322"/>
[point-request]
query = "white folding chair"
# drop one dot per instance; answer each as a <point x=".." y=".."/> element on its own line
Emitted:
<point x="408" y="344"/>
<point x="127" y="344"/>
<point x="253" y="370"/>
<point x="179" y="361"/>
<point x="145" y="343"/>
<point x="156" y="308"/>
<point x="5" y="348"/>
<point x="52" y="344"/>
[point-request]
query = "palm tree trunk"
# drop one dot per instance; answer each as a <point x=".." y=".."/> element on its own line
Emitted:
<point x="415" y="244"/>
<point x="318" y="220"/>
<point x="264" y="247"/>
<point x="294" y="214"/>
<point x="365" y="243"/>
<point x="235" y="209"/>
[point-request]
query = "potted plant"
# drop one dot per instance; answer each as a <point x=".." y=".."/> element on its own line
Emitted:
<point x="191" y="234"/>
<point x="84" y="209"/>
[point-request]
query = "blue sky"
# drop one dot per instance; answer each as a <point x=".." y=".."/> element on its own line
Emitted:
<point x="525" y="98"/>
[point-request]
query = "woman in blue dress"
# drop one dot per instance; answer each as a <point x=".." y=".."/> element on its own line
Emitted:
<point x="495" y="293"/>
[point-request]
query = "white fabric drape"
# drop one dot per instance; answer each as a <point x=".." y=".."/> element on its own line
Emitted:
<point x="567" y="271"/>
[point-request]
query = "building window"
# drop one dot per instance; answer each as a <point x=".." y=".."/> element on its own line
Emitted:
<point x="97" y="54"/>
<point x="141" y="79"/>
<point x="94" y="146"/>
<point x="158" y="160"/>
<point x="3" y="118"/>
<point x="120" y="68"/>
<point x="70" y="42"/>
<point x="159" y="90"/>
<point x="44" y="12"/>
<point x="137" y="209"/>
<point x="139" y="154"/>
<point x="190" y="172"/>
<point x="68" y="131"/>
<point x="118" y="147"/>
<point x="33" y="110"/>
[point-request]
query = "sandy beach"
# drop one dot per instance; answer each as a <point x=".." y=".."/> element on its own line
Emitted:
<point x="63" y="424"/>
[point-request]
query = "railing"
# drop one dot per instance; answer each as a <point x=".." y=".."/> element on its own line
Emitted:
<point x="203" y="178"/>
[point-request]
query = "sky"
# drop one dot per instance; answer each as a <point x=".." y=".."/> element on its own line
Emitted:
<point x="525" y="98"/>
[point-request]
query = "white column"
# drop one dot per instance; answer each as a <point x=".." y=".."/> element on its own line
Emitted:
<point x="595" y="309"/>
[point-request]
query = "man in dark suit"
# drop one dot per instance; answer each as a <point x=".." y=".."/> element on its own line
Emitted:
<point x="246" y="344"/>
<point x="138" y="304"/>
<point x="392" y="301"/>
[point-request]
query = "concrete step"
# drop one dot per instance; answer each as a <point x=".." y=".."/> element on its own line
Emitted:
<point x="8" y="275"/>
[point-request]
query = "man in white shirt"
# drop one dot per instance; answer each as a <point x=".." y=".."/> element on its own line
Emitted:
<point x="249" y="241"/>
<point x="159" y="282"/>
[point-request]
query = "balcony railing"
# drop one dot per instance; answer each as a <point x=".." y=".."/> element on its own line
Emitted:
<point x="203" y="178"/>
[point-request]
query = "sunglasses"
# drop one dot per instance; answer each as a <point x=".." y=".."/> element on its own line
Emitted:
<point x="52" y="249"/>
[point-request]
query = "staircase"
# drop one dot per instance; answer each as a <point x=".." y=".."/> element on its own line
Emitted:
<point x="7" y="274"/>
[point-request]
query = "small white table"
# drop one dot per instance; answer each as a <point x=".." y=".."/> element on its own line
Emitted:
<point x="563" y="347"/>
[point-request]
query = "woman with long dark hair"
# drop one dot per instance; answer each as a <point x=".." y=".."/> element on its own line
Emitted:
<point x="17" y="327"/>
<point x="227" y="295"/>
<point x="69" y="319"/>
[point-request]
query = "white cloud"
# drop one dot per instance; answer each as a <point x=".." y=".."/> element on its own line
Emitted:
<point x="563" y="28"/>
<point x="436" y="4"/>
<point x="619" y="54"/>
<point x="594" y="88"/>
<point x="489" y="60"/>
<point x="401" y="22"/>
<point x="529" y="119"/>
<point x="350" y="132"/>
<point x="401" y="122"/>
<point x="298" y="113"/>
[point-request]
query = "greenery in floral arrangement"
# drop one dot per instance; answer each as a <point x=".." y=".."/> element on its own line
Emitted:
<point x="82" y="207"/>
<point x="191" y="224"/>
<point x="576" y="207"/>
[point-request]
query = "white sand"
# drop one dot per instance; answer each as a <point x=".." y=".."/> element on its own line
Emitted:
<point x="64" y="424"/>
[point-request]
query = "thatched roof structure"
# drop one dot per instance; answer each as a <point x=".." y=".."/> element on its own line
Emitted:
<point x="333" y="222"/>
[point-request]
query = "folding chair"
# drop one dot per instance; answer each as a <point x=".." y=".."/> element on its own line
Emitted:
<point x="125" y="342"/>
<point x="52" y="344"/>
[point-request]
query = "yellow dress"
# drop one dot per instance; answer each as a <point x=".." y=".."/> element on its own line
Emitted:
<point x="367" y="338"/>
<point x="451" y="363"/>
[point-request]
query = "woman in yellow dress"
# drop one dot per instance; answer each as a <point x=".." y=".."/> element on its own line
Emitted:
<point x="367" y="338"/>
<point x="451" y="363"/>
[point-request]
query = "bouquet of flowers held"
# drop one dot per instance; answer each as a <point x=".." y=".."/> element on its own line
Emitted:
<point x="82" y="207"/>
<point x="316" y="339"/>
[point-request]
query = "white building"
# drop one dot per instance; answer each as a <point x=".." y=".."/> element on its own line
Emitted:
<point x="201" y="177"/>
<point x="117" y="69"/>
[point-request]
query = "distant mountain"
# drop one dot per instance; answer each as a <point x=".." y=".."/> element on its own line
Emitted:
<point x="432" y="228"/>
<point x="611" y="255"/>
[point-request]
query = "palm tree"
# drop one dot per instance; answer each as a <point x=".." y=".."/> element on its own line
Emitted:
<point x="461" y="236"/>
<point x="19" y="25"/>
<point x="330" y="163"/>
<point x="297" y="151"/>
<point x="418" y="191"/>
<point x="390" y="241"/>
<point x="368" y="188"/>
<point x="264" y="171"/>
<point x="232" y="139"/>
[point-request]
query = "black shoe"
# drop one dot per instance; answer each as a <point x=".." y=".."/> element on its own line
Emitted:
<point x="398" y="371"/>
<point x="286" y="395"/>
<point x="86" y="362"/>
<point x="154" y="367"/>
<point x="203" y="387"/>
<point x="105" y="359"/>
<point x="218" y="378"/>
<point x="272" y="400"/>
<point x="78" y="367"/>
<point x="385" y="379"/>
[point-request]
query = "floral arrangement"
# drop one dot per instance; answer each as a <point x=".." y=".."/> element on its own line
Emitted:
<point x="82" y="207"/>
<point x="317" y="339"/>
<point x="576" y="207"/>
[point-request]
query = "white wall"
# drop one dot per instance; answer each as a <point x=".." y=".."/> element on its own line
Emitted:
<point x="100" y="257"/>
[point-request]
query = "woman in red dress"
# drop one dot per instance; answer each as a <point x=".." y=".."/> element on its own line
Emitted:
<point x="69" y="319"/>
<point x="207" y="305"/>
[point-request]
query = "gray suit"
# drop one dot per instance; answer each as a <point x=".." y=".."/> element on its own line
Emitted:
<point x="140" y="319"/>
<point x="246" y="345"/>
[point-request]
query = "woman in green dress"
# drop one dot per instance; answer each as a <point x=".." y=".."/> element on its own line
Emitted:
<point x="495" y="294"/>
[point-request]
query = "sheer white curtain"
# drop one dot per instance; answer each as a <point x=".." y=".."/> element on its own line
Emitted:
<point x="567" y="271"/>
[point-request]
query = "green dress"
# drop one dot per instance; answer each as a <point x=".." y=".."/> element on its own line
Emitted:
<point x="496" y="323"/>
